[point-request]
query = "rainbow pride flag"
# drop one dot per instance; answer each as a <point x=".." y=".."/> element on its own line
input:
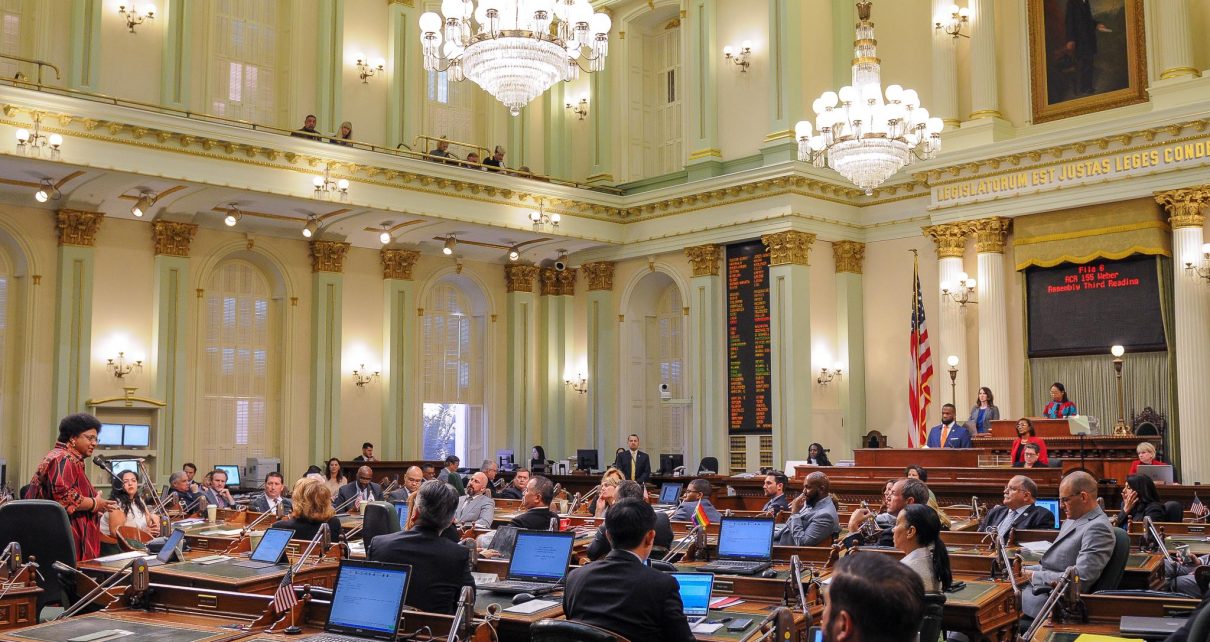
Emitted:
<point x="699" y="516"/>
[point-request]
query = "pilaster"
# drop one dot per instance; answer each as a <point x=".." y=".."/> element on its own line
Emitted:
<point x="329" y="63"/>
<point x="601" y="117"/>
<point x="785" y="80"/>
<point x="790" y="342"/>
<point x="401" y="426"/>
<point x="178" y="43"/>
<point x="77" y="233"/>
<point x="522" y="408"/>
<point x="850" y="332"/>
<point x="555" y="359"/>
<point x="169" y="338"/>
<point x="944" y="103"/>
<point x="602" y="358"/>
<point x="84" y="44"/>
<point x="704" y="158"/>
<point x="555" y="138"/>
<point x="990" y="235"/>
<point x="950" y="239"/>
<point x="327" y="292"/>
<point x="405" y="89"/>
<point x="707" y="356"/>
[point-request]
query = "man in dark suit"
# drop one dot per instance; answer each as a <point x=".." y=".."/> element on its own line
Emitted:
<point x="367" y="453"/>
<point x="775" y="490"/>
<point x="516" y="490"/>
<point x="364" y="488"/>
<point x="949" y="433"/>
<point x="539" y="493"/>
<point x="270" y="500"/>
<point x="600" y="545"/>
<point x="904" y="492"/>
<point x="619" y="593"/>
<point x="1082" y="31"/>
<point x="634" y="463"/>
<point x="1018" y="509"/>
<point x="440" y="568"/>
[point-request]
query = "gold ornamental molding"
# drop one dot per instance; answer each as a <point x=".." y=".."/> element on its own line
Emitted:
<point x="949" y="237"/>
<point x="704" y="259"/>
<point x="849" y="256"/>
<point x="172" y="238"/>
<point x="328" y="256"/>
<point x="77" y="227"/>
<point x="519" y="278"/>
<point x="398" y="264"/>
<point x="599" y="275"/>
<point x="548" y="281"/>
<point x="789" y="248"/>
<point x="567" y="282"/>
<point x="1184" y="206"/>
<point x="990" y="234"/>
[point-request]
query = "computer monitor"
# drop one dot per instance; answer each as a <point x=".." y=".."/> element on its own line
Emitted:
<point x="1159" y="473"/>
<point x="745" y="538"/>
<point x="3" y="473"/>
<point x="119" y="466"/>
<point x="670" y="462"/>
<point x="670" y="492"/>
<point x="272" y="546"/>
<point x="136" y="436"/>
<point x="695" y="591"/>
<point x="541" y="556"/>
<point x="1050" y="504"/>
<point x="109" y="435"/>
<point x="232" y="473"/>
<point x="401" y="510"/>
<point x="505" y="459"/>
<point x="586" y="459"/>
<point x="368" y="599"/>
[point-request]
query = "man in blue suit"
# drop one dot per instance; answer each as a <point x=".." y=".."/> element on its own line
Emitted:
<point x="950" y="434"/>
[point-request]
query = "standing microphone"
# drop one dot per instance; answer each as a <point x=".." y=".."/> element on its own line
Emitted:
<point x="103" y="464"/>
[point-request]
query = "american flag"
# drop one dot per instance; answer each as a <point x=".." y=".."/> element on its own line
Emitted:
<point x="920" y="371"/>
<point x="284" y="599"/>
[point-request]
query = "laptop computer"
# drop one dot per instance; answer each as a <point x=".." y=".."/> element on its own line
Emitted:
<point x="1051" y="505"/>
<point x="401" y="509"/>
<point x="367" y="601"/>
<point x="171" y="551"/>
<point x="670" y="493"/>
<point x="539" y="563"/>
<point x="1150" y="628"/>
<point x="695" y="591"/>
<point x="270" y="550"/>
<point x="1159" y="473"/>
<point x="745" y="546"/>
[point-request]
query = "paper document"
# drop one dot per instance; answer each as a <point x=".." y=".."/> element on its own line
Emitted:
<point x="117" y="557"/>
<point x="532" y="606"/>
<point x="1039" y="547"/>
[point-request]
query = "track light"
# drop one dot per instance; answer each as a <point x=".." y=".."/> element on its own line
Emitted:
<point x="513" y="254"/>
<point x="311" y="227"/>
<point x="47" y="191"/>
<point x="233" y="215"/>
<point x="146" y="200"/>
<point x="450" y="242"/>
<point x="385" y="236"/>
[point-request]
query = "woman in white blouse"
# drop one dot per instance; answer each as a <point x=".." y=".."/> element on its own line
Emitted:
<point x="131" y="510"/>
<point x="918" y="535"/>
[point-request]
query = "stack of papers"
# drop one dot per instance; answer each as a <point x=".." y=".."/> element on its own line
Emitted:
<point x="724" y="602"/>
<point x="532" y="606"/>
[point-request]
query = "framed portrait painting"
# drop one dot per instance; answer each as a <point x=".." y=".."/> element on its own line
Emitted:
<point x="1085" y="56"/>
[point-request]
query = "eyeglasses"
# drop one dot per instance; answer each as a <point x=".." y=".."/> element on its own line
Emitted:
<point x="91" y="438"/>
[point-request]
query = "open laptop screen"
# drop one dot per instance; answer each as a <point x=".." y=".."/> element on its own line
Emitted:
<point x="1051" y="505"/>
<point x="670" y="492"/>
<point x="540" y="556"/>
<point x="171" y="546"/>
<point x="746" y="538"/>
<point x="695" y="592"/>
<point x="368" y="598"/>
<point x="272" y="545"/>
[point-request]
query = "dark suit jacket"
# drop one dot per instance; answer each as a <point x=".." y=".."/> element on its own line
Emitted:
<point x="260" y="505"/>
<point x="622" y="595"/>
<point x="1033" y="517"/>
<point x="1154" y="510"/>
<point x="642" y="467"/>
<point x="439" y="567"/>
<point x="349" y="490"/>
<point x="600" y="545"/>
<point x="958" y="437"/>
<point x="535" y="519"/>
<point x="777" y="504"/>
<point x="306" y="528"/>
<point x="511" y="492"/>
<point x="1081" y="27"/>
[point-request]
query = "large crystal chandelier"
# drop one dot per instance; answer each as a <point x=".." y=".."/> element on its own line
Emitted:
<point x="859" y="135"/>
<point x="514" y="49"/>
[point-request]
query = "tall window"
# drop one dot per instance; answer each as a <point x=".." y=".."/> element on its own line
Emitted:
<point x="451" y="109"/>
<point x="237" y="361"/>
<point x="662" y="123"/>
<point x="453" y="376"/>
<point x="10" y="35"/>
<point x="656" y="346"/>
<point x="670" y="362"/>
<point x="244" y="60"/>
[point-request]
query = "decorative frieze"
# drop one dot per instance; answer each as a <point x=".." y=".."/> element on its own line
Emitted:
<point x="789" y="248"/>
<point x="1184" y="206"/>
<point x="328" y="256"/>
<point x="77" y="227"/>
<point x="519" y="278"/>
<point x="704" y="259"/>
<point x="849" y="256"/>
<point x="949" y="237"/>
<point x="398" y="264"/>
<point x="599" y="275"/>
<point x="171" y="238"/>
<point x="991" y="234"/>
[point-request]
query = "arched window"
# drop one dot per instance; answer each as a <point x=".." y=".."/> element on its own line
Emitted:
<point x="452" y="376"/>
<point x="237" y="412"/>
<point x="244" y="61"/>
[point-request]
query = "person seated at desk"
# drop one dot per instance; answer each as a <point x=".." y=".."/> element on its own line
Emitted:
<point x="1146" y="453"/>
<point x="620" y="593"/>
<point x="1059" y="407"/>
<point x="817" y="455"/>
<point x="1018" y="509"/>
<point x="697" y="493"/>
<point x="983" y="412"/>
<point x="1026" y="434"/>
<point x="311" y="507"/>
<point x="917" y="534"/>
<point x="413" y="477"/>
<point x="516" y="490"/>
<point x="216" y="492"/>
<point x="1086" y="541"/>
<point x="364" y="488"/>
<point x="904" y="492"/>
<point x="628" y="489"/>
<point x="537" y="460"/>
<point x="492" y="470"/>
<point x="1181" y="574"/>
<point x="269" y="501"/>
<point x="178" y="483"/>
<point x="872" y="598"/>
<point x="609" y="488"/>
<point x="1031" y="454"/>
<point x="129" y="511"/>
<point x="949" y="433"/>
<point x="1139" y="499"/>
<point x="367" y="453"/>
<point x="440" y="568"/>
<point x="477" y="506"/>
<point x="451" y="476"/>
<point x="429" y="470"/>
<point x="775" y="490"/>
<point x="335" y="477"/>
<point x="813" y="520"/>
<point x="538" y="516"/>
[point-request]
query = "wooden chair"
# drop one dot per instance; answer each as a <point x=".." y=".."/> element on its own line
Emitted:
<point x="873" y="439"/>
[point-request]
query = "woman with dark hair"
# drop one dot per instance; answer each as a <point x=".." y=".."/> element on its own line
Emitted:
<point x="914" y="471"/>
<point x="1060" y="406"/>
<point x="312" y="506"/>
<point x="334" y="477"/>
<point x="1139" y="499"/>
<point x="61" y="478"/>
<point x="130" y="512"/>
<point x="817" y="455"/>
<point x="917" y="534"/>
<point x="1027" y="435"/>
<point x="537" y="461"/>
<point x="984" y="411"/>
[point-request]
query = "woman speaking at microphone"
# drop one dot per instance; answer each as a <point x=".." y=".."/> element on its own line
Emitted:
<point x="61" y="478"/>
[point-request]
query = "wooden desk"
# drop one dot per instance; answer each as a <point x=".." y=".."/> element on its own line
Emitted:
<point x="18" y="606"/>
<point x="222" y="576"/>
<point x="1105" y="613"/>
<point x="144" y="625"/>
<point x="930" y="458"/>
<point x="1043" y="427"/>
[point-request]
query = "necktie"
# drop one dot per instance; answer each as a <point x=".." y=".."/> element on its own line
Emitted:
<point x="1007" y="522"/>
<point x="632" y="458"/>
<point x="945" y="433"/>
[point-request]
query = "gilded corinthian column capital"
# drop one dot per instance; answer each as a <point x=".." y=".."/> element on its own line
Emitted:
<point x="1184" y="206"/>
<point x="76" y="227"/>
<point x="704" y="259"/>
<point x="519" y="278"/>
<point x="949" y="237"/>
<point x="599" y="275"/>
<point x="398" y="264"/>
<point x="849" y="256"/>
<point x="990" y="234"/>
<point x="172" y="239"/>
<point x="789" y="248"/>
<point x="328" y="256"/>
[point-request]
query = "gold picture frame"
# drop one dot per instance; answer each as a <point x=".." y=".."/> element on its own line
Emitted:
<point x="1105" y="70"/>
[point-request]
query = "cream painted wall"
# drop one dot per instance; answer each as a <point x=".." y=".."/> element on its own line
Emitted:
<point x="129" y="58"/>
<point x="365" y="104"/>
<point x="743" y="118"/>
<point x="123" y="304"/>
<point x="362" y="343"/>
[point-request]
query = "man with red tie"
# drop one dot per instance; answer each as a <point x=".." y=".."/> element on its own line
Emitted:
<point x="949" y="434"/>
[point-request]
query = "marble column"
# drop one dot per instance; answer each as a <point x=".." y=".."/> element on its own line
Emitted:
<point x="1191" y="345"/>
<point x="329" y="63"/>
<point x="77" y="232"/>
<point x="850" y="332"/>
<point x="556" y="363"/>
<point x="178" y="43"/>
<point x="405" y="71"/>
<point x="1174" y="41"/>
<point x="170" y="338"/>
<point x="985" y="101"/>
<point x="790" y="342"/>
<point x="707" y="358"/>
<point x="84" y="46"/>
<point x="702" y="53"/>
<point x="990" y="234"/>
<point x="402" y="431"/>
<point x="603" y="433"/>
<point x="521" y="395"/>
<point x="951" y="333"/>
<point x="327" y="290"/>
<point x="785" y="59"/>
<point x="944" y="103"/>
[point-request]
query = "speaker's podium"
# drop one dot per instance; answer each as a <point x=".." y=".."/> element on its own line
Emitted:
<point x="1045" y="428"/>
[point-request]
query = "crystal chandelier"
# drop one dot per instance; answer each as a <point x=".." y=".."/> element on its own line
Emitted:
<point x="862" y="137"/>
<point x="514" y="49"/>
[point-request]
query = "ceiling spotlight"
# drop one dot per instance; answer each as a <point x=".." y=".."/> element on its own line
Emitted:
<point x="385" y="236"/>
<point x="47" y="191"/>
<point x="311" y="227"/>
<point x="513" y="254"/>
<point x="450" y="242"/>
<point x="146" y="200"/>
<point x="233" y="215"/>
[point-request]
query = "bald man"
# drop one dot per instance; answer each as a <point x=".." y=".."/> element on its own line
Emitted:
<point x="476" y="506"/>
<point x="364" y="488"/>
<point x="413" y="477"/>
<point x="1086" y="541"/>
<point x="813" y="520"/>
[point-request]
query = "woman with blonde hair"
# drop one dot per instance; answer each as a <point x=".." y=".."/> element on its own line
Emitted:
<point x="312" y="507"/>
<point x="344" y="136"/>
<point x="609" y="488"/>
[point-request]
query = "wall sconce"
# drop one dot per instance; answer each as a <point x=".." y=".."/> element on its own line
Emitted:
<point x="581" y="109"/>
<point x="32" y="143"/>
<point x="361" y="378"/>
<point x="740" y="57"/>
<point x="953" y="361"/>
<point x="119" y="368"/>
<point x="1202" y="269"/>
<point x="365" y="70"/>
<point x="540" y="219"/>
<point x="953" y="25"/>
<point x="826" y="376"/>
<point x="325" y="187"/>
<point x="47" y="191"/>
<point x="1120" y="429"/>
<point x="962" y="293"/>
<point x="580" y="385"/>
<point x="145" y="201"/>
<point x="133" y="19"/>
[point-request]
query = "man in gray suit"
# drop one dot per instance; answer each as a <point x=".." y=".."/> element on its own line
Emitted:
<point x="1085" y="541"/>
<point x="813" y="521"/>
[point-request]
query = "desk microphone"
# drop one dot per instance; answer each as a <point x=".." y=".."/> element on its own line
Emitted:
<point x="103" y="464"/>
